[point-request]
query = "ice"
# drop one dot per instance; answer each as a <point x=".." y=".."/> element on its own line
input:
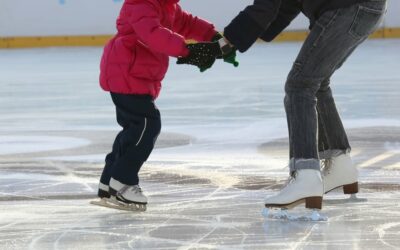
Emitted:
<point x="286" y="215"/>
<point x="27" y="144"/>
<point x="115" y="204"/>
<point x="223" y="148"/>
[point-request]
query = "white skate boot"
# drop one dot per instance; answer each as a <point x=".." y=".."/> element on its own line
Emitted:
<point x="124" y="197"/>
<point x="304" y="187"/>
<point x="340" y="172"/>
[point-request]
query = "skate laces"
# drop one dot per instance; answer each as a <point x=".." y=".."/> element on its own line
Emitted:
<point x="326" y="165"/>
<point x="291" y="179"/>
<point x="135" y="189"/>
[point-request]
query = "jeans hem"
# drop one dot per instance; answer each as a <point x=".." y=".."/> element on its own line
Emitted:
<point x="330" y="153"/>
<point x="298" y="164"/>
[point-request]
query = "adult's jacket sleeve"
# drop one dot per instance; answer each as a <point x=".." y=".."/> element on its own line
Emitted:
<point x="288" y="11"/>
<point x="192" y="27"/>
<point x="251" y="23"/>
<point x="149" y="30"/>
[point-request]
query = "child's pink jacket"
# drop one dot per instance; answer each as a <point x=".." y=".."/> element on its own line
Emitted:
<point x="135" y="60"/>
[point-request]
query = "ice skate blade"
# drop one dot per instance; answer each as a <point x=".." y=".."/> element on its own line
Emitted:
<point x="352" y="199"/>
<point x="283" y="214"/>
<point x="112" y="203"/>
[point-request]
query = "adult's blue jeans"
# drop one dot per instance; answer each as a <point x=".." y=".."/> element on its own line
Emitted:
<point x="315" y="128"/>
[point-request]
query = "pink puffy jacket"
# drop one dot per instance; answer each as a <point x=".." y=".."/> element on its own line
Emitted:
<point x="135" y="60"/>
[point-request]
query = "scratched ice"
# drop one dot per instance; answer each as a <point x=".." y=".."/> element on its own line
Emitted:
<point x="223" y="148"/>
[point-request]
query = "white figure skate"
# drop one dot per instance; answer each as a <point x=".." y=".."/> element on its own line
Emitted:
<point x="340" y="172"/>
<point x="124" y="197"/>
<point x="304" y="187"/>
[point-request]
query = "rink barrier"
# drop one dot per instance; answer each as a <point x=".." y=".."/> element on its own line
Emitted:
<point x="100" y="40"/>
<point x="53" y="41"/>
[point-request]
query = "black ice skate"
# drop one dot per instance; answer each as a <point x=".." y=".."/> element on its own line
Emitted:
<point x="104" y="191"/>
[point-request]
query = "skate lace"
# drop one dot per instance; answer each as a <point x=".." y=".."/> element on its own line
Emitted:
<point x="135" y="189"/>
<point x="291" y="179"/>
<point x="326" y="165"/>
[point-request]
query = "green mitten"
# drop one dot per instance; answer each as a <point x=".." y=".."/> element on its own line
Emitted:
<point x="231" y="58"/>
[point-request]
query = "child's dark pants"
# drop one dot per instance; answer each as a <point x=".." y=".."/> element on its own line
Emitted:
<point x="141" y="123"/>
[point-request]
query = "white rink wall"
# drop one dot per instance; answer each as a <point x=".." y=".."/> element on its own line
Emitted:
<point x="97" y="17"/>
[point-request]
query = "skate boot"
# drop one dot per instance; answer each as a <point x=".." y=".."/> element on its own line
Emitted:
<point x="305" y="186"/>
<point x="340" y="172"/>
<point x="123" y="197"/>
<point x="104" y="191"/>
<point x="127" y="197"/>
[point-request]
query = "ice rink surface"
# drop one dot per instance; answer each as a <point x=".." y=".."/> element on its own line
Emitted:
<point x="223" y="148"/>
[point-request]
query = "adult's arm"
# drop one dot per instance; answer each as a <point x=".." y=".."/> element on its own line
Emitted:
<point x="251" y="23"/>
<point x="288" y="11"/>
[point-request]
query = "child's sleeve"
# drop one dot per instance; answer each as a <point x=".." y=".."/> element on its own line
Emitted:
<point x="145" y="21"/>
<point x="192" y="27"/>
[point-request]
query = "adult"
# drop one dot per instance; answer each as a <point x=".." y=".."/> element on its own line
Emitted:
<point x="316" y="133"/>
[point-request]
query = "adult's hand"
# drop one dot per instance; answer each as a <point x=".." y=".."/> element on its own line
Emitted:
<point x="230" y="55"/>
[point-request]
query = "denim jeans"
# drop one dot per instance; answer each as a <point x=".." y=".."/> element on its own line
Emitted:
<point x="315" y="128"/>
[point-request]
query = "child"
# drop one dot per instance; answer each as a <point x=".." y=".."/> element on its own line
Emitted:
<point x="133" y="65"/>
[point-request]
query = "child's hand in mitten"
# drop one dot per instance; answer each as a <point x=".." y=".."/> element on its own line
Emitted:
<point x="202" y="55"/>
